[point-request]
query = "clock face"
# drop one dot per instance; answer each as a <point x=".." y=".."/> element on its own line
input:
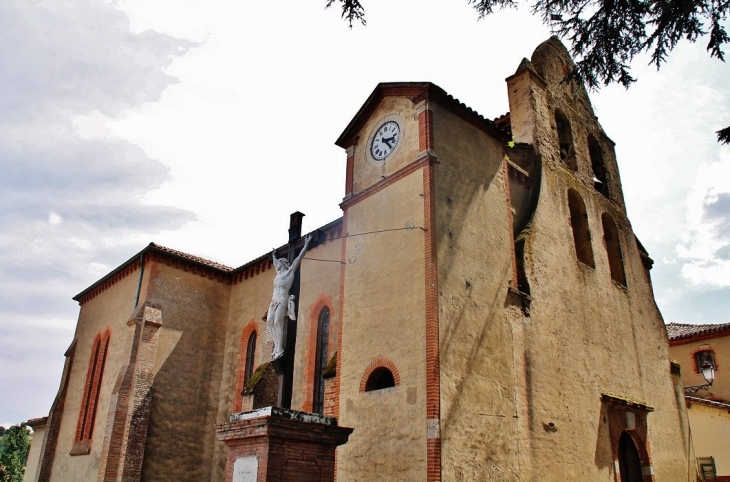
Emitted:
<point x="385" y="140"/>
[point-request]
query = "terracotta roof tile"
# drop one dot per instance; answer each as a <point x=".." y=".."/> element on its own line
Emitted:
<point x="191" y="257"/>
<point x="680" y="331"/>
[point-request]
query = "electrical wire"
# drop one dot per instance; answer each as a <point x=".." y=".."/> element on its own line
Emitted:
<point x="380" y="231"/>
<point x="363" y="234"/>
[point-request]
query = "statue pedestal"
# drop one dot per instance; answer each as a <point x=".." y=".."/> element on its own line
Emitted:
<point x="275" y="444"/>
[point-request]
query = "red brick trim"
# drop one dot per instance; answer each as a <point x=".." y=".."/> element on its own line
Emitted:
<point x="617" y="424"/>
<point x="425" y="129"/>
<point x="108" y="283"/>
<point x="350" y="170"/>
<point x="433" y="383"/>
<point x="379" y="363"/>
<point x="251" y="327"/>
<point x="341" y="324"/>
<point x="90" y="400"/>
<point x="310" y="343"/>
<point x="253" y="270"/>
<point x="375" y="188"/>
<point x="333" y="392"/>
<point x="704" y="347"/>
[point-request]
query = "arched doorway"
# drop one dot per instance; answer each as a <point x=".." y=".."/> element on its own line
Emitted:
<point x="629" y="461"/>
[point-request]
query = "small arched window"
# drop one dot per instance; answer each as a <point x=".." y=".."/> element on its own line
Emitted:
<point x="613" y="249"/>
<point x="600" y="181"/>
<point x="581" y="232"/>
<point x="323" y="334"/>
<point x="565" y="140"/>
<point x="250" y="358"/>
<point x="379" y="379"/>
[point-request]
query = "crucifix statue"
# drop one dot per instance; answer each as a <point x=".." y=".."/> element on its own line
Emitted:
<point x="282" y="303"/>
<point x="281" y="317"/>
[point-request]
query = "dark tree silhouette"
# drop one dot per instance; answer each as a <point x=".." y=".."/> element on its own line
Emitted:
<point x="606" y="35"/>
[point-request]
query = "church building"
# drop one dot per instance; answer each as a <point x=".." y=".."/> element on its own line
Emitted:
<point x="481" y="311"/>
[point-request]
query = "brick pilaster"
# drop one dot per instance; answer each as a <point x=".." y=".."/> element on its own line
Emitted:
<point x="350" y="170"/>
<point x="433" y="392"/>
<point x="129" y="408"/>
<point x="53" y="425"/>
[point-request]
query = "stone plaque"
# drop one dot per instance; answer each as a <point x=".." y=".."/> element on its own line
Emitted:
<point x="246" y="469"/>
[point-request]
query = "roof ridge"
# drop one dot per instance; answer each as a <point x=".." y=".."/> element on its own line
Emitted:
<point x="191" y="257"/>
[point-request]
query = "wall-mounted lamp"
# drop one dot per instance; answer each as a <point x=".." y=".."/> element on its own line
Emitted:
<point x="708" y="371"/>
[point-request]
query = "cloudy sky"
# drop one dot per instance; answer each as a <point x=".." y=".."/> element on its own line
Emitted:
<point x="202" y="124"/>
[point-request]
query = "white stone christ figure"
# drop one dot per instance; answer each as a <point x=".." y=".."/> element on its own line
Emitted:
<point x="282" y="304"/>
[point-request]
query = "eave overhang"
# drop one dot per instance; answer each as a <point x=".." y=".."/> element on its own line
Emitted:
<point x="417" y="92"/>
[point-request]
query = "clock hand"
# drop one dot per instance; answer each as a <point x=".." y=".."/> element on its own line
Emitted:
<point x="387" y="141"/>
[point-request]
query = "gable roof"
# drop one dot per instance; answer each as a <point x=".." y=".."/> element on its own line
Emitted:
<point x="418" y="91"/>
<point x="686" y="331"/>
<point x="199" y="264"/>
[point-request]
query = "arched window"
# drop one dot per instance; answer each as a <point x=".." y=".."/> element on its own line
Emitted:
<point x="581" y="233"/>
<point x="323" y="334"/>
<point x="90" y="400"/>
<point x="600" y="181"/>
<point x="565" y="140"/>
<point x="629" y="461"/>
<point x="613" y="249"/>
<point x="250" y="357"/>
<point x="379" y="379"/>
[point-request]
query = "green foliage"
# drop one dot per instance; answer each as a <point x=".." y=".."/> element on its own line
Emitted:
<point x="255" y="377"/>
<point x="606" y="35"/>
<point x="14" y="447"/>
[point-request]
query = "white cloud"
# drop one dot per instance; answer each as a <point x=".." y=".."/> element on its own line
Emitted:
<point x="54" y="218"/>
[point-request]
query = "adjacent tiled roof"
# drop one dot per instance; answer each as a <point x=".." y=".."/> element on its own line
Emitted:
<point x="191" y="257"/>
<point x="710" y="403"/>
<point x="681" y="331"/>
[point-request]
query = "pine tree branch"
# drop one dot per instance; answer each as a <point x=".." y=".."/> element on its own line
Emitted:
<point x="723" y="135"/>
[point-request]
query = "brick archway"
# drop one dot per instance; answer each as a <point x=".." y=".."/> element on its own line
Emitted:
<point x="379" y="363"/>
<point x="310" y="342"/>
<point x="251" y="327"/>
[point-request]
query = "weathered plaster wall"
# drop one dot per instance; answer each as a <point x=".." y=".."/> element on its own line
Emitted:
<point x="181" y="435"/>
<point x="474" y="265"/>
<point x="34" y="455"/>
<point x="683" y="355"/>
<point x="365" y="174"/>
<point x="586" y="334"/>
<point x="384" y="313"/>
<point x="110" y="309"/>
<point x="319" y="287"/>
<point x="711" y="434"/>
